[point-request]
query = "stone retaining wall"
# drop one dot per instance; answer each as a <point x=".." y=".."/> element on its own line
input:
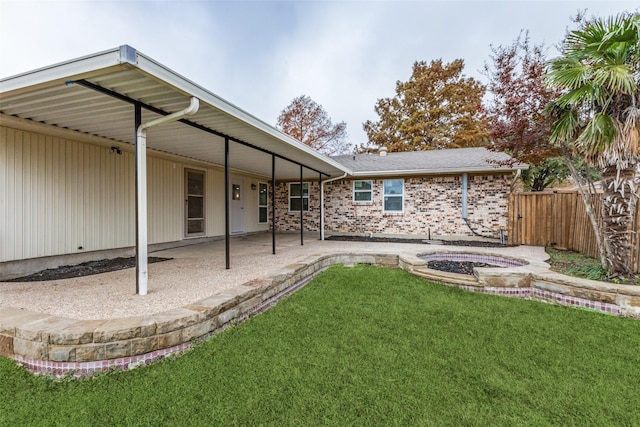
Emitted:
<point x="60" y="346"/>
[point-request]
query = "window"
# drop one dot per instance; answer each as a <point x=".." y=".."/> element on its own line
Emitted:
<point x="393" y="195"/>
<point x="263" y="203"/>
<point x="362" y="191"/>
<point x="294" y="196"/>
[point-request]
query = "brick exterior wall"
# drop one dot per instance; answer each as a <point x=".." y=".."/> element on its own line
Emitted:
<point x="290" y="221"/>
<point x="430" y="203"/>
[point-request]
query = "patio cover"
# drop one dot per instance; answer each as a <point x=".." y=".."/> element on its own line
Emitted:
<point x="111" y="93"/>
<point x="49" y="95"/>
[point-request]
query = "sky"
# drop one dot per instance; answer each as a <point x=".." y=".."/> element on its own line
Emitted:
<point x="259" y="55"/>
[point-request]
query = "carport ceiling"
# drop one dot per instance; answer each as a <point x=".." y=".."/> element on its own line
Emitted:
<point x="48" y="96"/>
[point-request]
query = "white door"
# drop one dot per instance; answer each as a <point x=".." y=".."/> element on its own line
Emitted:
<point x="237" y="205"/>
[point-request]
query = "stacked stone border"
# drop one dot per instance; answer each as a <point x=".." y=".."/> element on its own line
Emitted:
<point x="59" y="346"/>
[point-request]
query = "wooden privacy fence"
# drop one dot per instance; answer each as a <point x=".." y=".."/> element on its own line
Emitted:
<point x="558" y="219"/>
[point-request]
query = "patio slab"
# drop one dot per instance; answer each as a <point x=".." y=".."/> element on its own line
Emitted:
<point x="197" y="272"/>
<point x="66" y="339"/>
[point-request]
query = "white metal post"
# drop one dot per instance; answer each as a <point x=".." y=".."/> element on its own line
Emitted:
<point x="142" y="262"/>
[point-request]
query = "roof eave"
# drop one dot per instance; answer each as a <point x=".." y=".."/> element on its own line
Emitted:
<point x="126" y="56"/>
<point x="79" y="68"/>
<point x="437" y="171"/>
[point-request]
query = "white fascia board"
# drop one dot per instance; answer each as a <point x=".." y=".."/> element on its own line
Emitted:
<point x="435" y="171"/>
<point x="75" y="69"/>
<point x="164" y="74"/>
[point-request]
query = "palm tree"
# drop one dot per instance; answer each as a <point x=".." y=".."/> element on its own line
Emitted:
<point x="598" y="118"/>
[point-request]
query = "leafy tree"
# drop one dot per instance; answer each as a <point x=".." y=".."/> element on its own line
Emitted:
<point x="598" y="117"/>
<point x="555" y="170"/>
<point x="517" y="121"/>
<point x="437" y="108"/>
<point x="308" y="122"/>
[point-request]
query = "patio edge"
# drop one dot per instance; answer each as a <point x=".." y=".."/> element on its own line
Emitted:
<point x="59" y="347"/>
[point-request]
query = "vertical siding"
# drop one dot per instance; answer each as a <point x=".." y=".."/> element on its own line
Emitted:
<point x="214" y="202"/>
<point x="57" y="195"/>
<point x="166" y="200"/>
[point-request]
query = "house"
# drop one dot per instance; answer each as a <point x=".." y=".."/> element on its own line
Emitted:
<point x="113" y="153"/>
<point x="424" y="194"/>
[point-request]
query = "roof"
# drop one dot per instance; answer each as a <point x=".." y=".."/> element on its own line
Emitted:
<point x="67" y="95"/>
<point x="457" y="160"/>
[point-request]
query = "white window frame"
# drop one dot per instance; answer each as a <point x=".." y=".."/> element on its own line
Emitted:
<point x="370" y="191"/>
<point x="384" y="195"/>
<point x="266" y="206"/>
<point x="302" y="194"/>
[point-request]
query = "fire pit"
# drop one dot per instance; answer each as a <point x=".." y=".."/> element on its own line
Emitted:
<point x="463" y="263"/>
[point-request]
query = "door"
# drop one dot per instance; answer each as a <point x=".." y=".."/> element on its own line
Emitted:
<point x="194" y="202"/>
<point x="237" y="205"/>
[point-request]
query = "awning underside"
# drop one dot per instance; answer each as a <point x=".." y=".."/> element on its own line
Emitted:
<point x="79" y="108"/>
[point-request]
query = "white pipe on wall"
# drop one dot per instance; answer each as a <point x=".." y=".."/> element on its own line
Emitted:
<point x="465" y="195"/>
<point x="142" y="262"/>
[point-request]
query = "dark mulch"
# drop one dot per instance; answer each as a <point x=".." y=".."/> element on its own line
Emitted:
<point x="460" y="267"/>
<point x="84" y="269"/>
<point x="475" y="243"/>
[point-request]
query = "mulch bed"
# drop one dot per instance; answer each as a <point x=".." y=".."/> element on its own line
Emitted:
<point x="475" y="243"/>
<point x="85" y="269"/>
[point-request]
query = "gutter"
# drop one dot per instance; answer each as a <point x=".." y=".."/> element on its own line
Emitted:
<point x="322" y="199"/>
<point x="142" y="262"/>
<point x="433" y="171"/>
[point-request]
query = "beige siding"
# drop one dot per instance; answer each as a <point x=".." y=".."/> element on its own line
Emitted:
<point x="57" y="195"/>
<point x="214" y="202"/>
<point x="165" y="180"/>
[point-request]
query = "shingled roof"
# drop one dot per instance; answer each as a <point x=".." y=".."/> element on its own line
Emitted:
<point x="458" y="160"/>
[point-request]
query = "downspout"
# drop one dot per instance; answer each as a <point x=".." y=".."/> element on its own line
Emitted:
<point x="142" y="263"/>
<point x="322" y="199"/>
<point x="465" y="195"/>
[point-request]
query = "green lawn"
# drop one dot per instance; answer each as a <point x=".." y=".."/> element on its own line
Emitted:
<point x="367" y="346"/>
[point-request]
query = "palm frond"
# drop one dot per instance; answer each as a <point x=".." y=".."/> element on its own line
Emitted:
<point x="565" y="125"/>
<point x="567" y="73"/>
<point x="597" y="135"/>
<point x="615" y="78"/>
<point x="579" y="95"/>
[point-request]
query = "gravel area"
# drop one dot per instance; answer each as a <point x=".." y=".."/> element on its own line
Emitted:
<point x="85" y="269"/>
<point x="194" y="273"/>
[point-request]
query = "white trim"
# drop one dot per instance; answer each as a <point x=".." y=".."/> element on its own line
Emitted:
<point x="443" y="171"/>
<point x="80" y="68"/>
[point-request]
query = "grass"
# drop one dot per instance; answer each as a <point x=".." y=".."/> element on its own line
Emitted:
<point x="576" y="264"/>
<point x="367" y="346"/>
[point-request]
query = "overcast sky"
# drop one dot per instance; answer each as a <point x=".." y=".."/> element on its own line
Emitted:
<point x="259" y="55"/>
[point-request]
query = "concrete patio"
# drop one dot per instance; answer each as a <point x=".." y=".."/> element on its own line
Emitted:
<point x="198" y="271"/>
<point x="88" y="324"/>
